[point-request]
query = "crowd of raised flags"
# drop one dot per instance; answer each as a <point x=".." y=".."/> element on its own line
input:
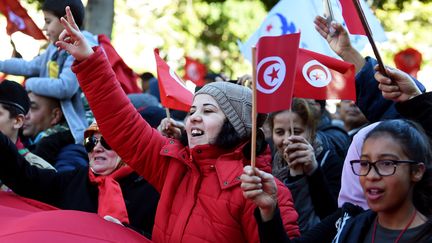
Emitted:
<point x="292" y="60"/>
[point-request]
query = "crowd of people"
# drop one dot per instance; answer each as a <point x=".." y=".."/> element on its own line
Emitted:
<point x="188" y="178"/>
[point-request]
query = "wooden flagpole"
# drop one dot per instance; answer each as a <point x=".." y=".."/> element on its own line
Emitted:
<point x="369" y="36"/>
<point x="167" y="112"/>
<point x="254" y="109"/>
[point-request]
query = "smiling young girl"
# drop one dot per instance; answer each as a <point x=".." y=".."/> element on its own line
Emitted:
<point x="317" y="168"/>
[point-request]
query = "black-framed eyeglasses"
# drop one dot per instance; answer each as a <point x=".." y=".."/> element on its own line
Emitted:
<point x="90" y="143"/>
<point x="385" y="167"/>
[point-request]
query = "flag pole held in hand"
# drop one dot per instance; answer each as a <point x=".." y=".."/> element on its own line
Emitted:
<point x="369" y="36"/>
<point x="254" y="110"/>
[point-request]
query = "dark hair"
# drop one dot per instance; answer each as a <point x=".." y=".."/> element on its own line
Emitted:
<point x="415" y="145"/>
<point x="226" y="139"/>
<point x="13" y="111"/>
<point x="146" y="76"/>
<point x="57" y="7"/>
<point x="306" y="111"/>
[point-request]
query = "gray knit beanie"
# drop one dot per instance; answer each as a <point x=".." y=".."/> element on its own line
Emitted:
<point x="236" y="103"/>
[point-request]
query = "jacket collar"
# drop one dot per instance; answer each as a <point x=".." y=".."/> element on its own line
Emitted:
<point x="228" y="164"/>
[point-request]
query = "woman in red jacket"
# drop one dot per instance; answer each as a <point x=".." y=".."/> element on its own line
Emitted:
<point x="201" y="199"/>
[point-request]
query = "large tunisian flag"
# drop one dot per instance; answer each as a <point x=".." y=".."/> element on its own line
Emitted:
<point x="19" y="20"/>
<point x="26" y="220"/>
<point x="276" y="62"/>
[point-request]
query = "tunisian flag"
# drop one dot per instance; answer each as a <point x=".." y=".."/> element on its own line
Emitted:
<point x="276" y="62"/>
<point x="173" y="91"/>
<point x="19" y="20"/>
<point x="322" y="77"/>
<point x="351" y="17"/>
<point x="195" y="71"/>
<point x="26" y="220"/>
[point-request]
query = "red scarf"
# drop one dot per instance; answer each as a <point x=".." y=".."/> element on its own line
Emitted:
<point x="111" y="201"/>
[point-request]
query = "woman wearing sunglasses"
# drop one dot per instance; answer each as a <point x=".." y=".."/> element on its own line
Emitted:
<point x="107" y="187"/>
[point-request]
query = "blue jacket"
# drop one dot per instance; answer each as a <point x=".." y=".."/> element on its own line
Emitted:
<point x="63" y="86"/>
<point x="369" y="97"/>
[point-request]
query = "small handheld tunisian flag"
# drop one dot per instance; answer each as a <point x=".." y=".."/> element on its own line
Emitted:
<point x="173" y="91"/>
<point x="19" y="20"/>
<point x="195" y="71"/>
<point x="351" y="17"/>
<point x="276" y="62"/>
<point x="322" y="77"/>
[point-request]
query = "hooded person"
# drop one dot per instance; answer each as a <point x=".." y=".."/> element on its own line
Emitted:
<point x="107" y="186"/>
<point x="201" y="199"/>
<point x="14" y="105"/>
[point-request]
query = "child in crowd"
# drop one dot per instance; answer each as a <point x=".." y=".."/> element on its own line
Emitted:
<point x="308" y="165"/>
<point x="50" y="73"/>
<point x="395" y="175"/>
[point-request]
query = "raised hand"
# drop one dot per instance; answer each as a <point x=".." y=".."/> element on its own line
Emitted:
<point x="339" y="41"/>
<point x="171" y="128"/>
<point x="398" y="86"/>
<point x="300" y="154"/>
<point x="72" y="40"/>
<point x="260" y="187"/>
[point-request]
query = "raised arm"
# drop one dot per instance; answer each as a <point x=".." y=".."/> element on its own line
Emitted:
<point x="72" y="40"/>
<point x="338" y="39"/>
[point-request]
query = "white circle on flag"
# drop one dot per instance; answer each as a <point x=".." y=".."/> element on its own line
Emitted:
<point x="272" y="75"/>
<point x="316" y="74"/>
<point x="176" y="78"/>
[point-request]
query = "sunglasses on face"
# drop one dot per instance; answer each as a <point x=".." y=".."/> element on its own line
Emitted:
<point x="90" y="143"/>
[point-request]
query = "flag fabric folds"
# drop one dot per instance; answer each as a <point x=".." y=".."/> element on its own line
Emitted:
<point x="351" y="17"/>
<point x="195" y="71"/>
<point x="276" y="62"/>
<point x="321" y="77"/>
<point x="26" y="220"/>
<point x="173" y="91"/>
<point x="292" y="16"/>
<point x="19" y="20"/>
<point x="125" y="75"/>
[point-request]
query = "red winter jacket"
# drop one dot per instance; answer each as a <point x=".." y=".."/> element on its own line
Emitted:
<point x="201" y="200"/>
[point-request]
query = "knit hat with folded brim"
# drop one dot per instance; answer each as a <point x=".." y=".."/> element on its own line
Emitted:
<point x="236" y="103"/>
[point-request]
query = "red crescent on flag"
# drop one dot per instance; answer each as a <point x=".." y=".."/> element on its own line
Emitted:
<point x="260" y="75"/>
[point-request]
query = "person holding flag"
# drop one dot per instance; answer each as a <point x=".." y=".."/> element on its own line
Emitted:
<point x="369" y="99"/>
<point x="307" y="164"/>
<point x="201" y="199"/>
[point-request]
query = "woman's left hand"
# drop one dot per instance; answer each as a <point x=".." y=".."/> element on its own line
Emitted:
<point x="261" y="188"/>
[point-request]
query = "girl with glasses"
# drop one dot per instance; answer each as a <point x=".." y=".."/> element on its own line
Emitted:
<point x="107" y="186"/>
<point x="395" y="174"/>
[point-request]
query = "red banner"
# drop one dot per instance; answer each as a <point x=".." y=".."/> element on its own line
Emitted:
<point x="276" y="62"/>
<point x="351" y="17"/>
<point x="19" y="20"/>
<point x="322" y="77"/>
<point x="195" y="71"/>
